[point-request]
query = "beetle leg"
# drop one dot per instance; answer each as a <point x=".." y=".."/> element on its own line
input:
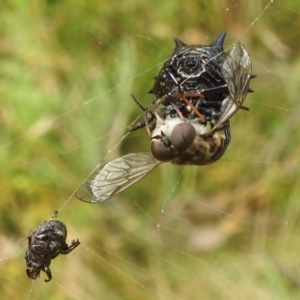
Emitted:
<point x="70" y="248"/>
<point x="48" y="273"/>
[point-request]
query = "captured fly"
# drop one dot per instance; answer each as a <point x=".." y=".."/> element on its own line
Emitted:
<point x="46" y="242"/>
<point x="175" y="139"/>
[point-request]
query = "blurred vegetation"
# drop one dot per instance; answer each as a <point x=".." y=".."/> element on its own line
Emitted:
<point x="227" y="231"/>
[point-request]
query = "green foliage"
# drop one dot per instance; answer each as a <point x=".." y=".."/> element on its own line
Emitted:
<point x="227" y="230"/>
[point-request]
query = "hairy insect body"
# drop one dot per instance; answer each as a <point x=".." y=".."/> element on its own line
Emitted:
<point x="44" y="244"/>
<point x="185" y="142"/>
<point x="203" y="151"/>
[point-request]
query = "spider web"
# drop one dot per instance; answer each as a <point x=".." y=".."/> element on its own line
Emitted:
<point x="227" y="230"/>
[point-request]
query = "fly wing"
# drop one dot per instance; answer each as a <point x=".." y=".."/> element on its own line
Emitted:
<point x="236" y="71"/>
<point x="115" y="176"/>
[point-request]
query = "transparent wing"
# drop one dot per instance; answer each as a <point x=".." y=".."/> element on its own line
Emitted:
<point x="236" y="71"/>
<point x="117" y="175"/>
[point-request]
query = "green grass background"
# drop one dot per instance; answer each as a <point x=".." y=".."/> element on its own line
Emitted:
<point x="227" y="231"/>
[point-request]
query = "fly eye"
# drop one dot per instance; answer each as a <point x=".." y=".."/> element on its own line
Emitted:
<point x="182" y="136"/>
<point x="161" y="152"/>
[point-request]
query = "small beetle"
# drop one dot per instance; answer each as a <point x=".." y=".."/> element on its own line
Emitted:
<point x="44" y="244"/>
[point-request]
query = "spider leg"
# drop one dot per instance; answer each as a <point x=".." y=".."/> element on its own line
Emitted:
<point x="178" y="111"/>
<point x="184" y="96"/>
<point x="149" y="116"/>
<point x="225" y="141"/>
